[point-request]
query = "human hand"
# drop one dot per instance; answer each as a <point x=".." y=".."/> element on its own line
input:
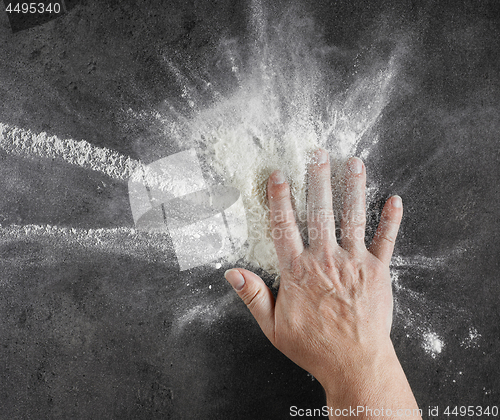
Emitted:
<point x="333" y="312"/>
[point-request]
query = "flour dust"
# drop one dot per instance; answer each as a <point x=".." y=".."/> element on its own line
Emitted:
<point x="284" y="104"/>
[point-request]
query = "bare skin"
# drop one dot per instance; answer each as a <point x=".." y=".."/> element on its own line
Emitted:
<point x="333" y="313"/>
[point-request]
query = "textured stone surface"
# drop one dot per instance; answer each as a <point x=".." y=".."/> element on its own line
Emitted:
<point x="102" y="325"/>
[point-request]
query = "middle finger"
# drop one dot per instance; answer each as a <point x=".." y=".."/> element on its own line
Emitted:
<point x="354" y="213"/>
<point x="320" y="217"/>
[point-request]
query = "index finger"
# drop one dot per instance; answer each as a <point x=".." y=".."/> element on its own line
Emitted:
<point x="284" y="230"/>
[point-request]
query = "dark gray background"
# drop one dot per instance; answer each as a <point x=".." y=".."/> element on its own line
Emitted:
<point x="93" y="334"/>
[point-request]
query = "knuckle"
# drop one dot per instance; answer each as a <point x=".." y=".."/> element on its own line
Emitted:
<point x="352" y="233"/>
<point x="251" y="298"/>
<point x="350" y="269"/>
<point x="356" y="217"/>
<point x="330" y="263"/>
<point x="320" y="215"/>
<point x="278" y="193"/>
<point x="387" y="238"/>
<point x="281" y="226"/>
<point x="297" y="267"/>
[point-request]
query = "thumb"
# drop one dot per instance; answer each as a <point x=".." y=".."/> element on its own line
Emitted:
<point x="256" y="295"/>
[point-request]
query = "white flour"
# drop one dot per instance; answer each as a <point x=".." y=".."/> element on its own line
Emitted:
<point x="281" y="110"/>
<point x="24" y="143"/>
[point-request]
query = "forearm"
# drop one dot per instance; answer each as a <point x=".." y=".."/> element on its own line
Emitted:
<point x="375" y="389"/>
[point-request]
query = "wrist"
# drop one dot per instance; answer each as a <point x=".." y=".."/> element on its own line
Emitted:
<point x="356" y="367"/>
<point x="370" y="381"/>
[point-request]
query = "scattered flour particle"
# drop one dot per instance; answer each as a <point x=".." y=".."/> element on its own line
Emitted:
<point x="472" y="340"/>
<point x="432" y="344"/>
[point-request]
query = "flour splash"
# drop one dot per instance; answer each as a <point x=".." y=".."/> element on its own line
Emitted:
<point x="284" y="105"/>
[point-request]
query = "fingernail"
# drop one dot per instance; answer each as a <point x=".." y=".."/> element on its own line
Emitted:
<point x="235" y="279"/>
<point x="396" y="201"/>
<point x="279" y="178"/>
<point x="321" y="156"/>
<point x="356" y="166"/>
